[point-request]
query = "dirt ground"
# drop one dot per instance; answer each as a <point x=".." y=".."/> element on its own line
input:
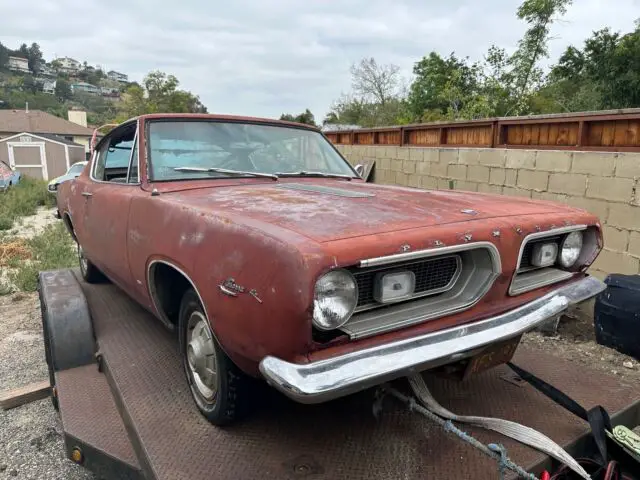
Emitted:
<point x="29" y="227"/>
<point x="26" y="228"/>
<point x="575" y="340"/>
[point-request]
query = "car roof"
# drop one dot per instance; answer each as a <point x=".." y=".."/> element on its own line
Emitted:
<point x="219" y="117"/>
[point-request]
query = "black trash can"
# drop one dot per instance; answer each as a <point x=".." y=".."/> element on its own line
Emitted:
<point x="617" y="314"/>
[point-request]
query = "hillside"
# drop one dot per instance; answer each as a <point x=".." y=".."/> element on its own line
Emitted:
<point x="55" y="86"/>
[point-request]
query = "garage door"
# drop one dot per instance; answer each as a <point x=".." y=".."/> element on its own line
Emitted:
<point x="28" y="159"/>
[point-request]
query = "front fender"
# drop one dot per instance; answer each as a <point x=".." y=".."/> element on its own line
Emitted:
<point x="259" y="288"/>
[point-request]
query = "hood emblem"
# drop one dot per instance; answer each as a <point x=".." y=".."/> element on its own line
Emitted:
<point x="496" y="233"/>
<point x="469" y="211"/>
<point x="438" y="243"/>
<point x="467" y="237"/>
<point x="405" y="248"/>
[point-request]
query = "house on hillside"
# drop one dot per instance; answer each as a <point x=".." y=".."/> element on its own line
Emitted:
<point x="85" y="87"/>
<point x="18" y="64"/>
<point x="46" y="70"/>
<point x="14" y="122"/>
<point x="110" y="92"/>
<point x="49" y="87"/>
<point x="117" y="76"/>
<point x="68" y="65"/>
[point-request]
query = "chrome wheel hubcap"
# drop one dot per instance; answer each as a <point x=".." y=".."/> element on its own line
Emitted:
<point x="83" y="259"/>
<point x="201" y="356"/>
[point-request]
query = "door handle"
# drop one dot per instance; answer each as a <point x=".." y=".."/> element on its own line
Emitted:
<point x="87" y="194"/>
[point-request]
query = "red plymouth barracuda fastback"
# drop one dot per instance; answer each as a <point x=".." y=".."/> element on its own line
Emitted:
<point x="259" y="243"/>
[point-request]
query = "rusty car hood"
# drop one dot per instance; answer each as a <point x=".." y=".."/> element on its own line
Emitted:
<point x="328" y="210"/>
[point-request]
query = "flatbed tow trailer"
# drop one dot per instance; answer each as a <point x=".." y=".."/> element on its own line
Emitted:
<point x="127" y="413"/>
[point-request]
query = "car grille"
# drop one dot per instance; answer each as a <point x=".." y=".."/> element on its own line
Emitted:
<point x="433" y="275"/>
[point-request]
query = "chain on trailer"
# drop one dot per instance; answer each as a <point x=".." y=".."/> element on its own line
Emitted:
<point x="427" y="406"/>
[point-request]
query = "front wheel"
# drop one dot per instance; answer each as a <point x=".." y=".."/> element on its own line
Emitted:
<point x="218" y="387"/>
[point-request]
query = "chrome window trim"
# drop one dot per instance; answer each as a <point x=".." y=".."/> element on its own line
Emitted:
<point x="134" y="149"/>
<point x="563" y="274"/>
<point x="430" y="252"/>
<point x="426" y="293"/>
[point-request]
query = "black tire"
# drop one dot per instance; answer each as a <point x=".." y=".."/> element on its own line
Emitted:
<point x="89" y="271"/>
<point x="231" y="397"/>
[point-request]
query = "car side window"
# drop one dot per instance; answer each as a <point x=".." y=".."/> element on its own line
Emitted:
<point x="99" y="157"/>
<point x="113" y="156"/>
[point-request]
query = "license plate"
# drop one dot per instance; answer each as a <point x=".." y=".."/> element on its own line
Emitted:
<point x="493" y="356"/>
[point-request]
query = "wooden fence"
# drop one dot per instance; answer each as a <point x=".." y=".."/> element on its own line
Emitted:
<point x="613" y="130"/>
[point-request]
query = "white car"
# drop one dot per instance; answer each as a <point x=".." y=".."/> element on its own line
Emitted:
<point x="73" y="172"/>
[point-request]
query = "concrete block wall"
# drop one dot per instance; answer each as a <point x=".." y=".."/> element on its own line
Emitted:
<point x="606" y="184"/>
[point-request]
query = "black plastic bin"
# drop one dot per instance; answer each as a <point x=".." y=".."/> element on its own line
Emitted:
<point x="617" y="314"/>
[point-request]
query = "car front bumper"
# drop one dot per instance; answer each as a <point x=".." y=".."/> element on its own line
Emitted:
<point x="335" y="377"/>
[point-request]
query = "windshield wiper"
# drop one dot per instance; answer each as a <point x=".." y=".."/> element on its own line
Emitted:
<point x="226" y="172"/>
<point x="306" y="173"/>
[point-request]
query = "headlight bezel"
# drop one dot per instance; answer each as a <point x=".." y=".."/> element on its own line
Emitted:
<point x="318" y="320"/>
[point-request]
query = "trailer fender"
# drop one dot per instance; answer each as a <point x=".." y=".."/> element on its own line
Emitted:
<point x="66" y="322"/>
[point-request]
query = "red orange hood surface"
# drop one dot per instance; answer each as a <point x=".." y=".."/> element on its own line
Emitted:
<point x="328" y="210"/>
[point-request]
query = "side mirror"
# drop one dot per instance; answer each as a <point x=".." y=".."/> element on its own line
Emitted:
<point x="359" y="169"/>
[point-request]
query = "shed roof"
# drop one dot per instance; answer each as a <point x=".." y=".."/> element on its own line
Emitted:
<point x="37" y="121"/>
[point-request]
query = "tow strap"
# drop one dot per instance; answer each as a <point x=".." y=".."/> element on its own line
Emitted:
<point x="621" y="439"/>
<point x="521" y="433"/>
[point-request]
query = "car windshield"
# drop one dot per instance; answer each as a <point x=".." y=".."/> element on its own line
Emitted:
<point x="76" y="168"/>
<point x="187" y="149"/>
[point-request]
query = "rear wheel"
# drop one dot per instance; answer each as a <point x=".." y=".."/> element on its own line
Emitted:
<point x="218" y="387"/>
<point x="89" y="271"/>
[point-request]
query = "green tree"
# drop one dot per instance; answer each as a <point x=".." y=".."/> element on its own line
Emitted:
<point x="304" y="117"/>
<point x="442" y="85"/>
<point x="604" y="74"/>
<point x="63" y="90"/>
<point x="29" y="84"/>
<point x="159" y="93"/>
<point x="539" y="15"/>
<point x="4" y="55"/>
<point x="34" y="57"/>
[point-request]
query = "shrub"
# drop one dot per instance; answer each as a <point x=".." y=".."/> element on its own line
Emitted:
<point x="22" y="200"/>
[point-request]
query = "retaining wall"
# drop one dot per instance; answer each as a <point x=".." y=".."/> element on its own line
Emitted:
<point x="606" y="184"/>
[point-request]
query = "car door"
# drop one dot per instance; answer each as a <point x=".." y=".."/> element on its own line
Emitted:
<point x="108" y="194"/>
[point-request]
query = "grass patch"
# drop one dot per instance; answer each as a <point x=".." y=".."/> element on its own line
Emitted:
<point x="23" y="200"/>
<point x="52" y="249"/>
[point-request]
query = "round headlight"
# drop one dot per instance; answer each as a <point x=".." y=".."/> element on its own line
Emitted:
<point x="335" y="299"/>
<point x="570" y="249"/>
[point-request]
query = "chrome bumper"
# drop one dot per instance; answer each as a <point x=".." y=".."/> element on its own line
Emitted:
<point x="335" y="377"/>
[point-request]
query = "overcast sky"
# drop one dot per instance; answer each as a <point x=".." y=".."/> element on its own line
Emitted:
<point x="265" y="57"/>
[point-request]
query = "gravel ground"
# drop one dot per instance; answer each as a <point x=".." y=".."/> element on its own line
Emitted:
<point x="31" y="444"/>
